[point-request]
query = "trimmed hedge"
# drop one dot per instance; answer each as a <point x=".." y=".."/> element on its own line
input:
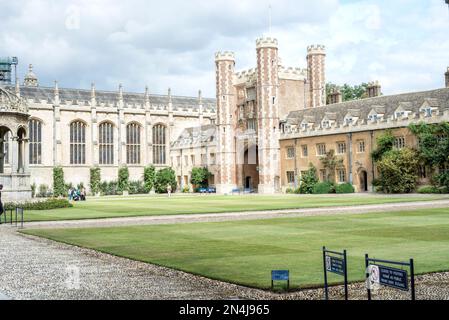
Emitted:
<point x="344" y="188"/>
<point x="323" y="188"/>
<point x="429" y="189"/>
<point x="48" y="204"/>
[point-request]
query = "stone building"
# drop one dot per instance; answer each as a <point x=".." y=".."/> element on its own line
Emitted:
<point x="262" y="131"/>
<point x="78" y="129"/>
<point x="273" y="121"/>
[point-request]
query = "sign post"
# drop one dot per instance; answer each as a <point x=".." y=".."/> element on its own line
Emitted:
<point x="335" y="262"/>
<point x="378" y="272"/>
<point x="280" y="275"/>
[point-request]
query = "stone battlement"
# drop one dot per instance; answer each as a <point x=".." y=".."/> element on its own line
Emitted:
<point x="266" y="42"/>
<point x="225" y="56"/>
<point x="316" y="49"/>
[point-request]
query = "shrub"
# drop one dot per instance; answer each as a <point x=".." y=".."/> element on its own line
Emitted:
<point x="137" y="187"/>
<point x="59" y="189"/>
<point x="33" y="190"/>
<point x="149" y="177"/>
<point x="344" y="188"/>
<point x="200" y="177"/>
<point x="123" y="179"/>
<point x="43" y="191"/>
<point x="95" y="180"/>
<point x="109" y="188"/>
<point x="186" y="189"/>
<point x="289" y="191"/>
<point x="428" y="189"/>
<point x="48" y="204"/>
<point x="323" y="188"/>
<point x="165" y="177"/>
<point x="308" y="180"/>
<point x="398" y="171"/>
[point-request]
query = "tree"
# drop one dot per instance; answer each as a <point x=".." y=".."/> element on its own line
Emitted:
<point x="398" y="171"/>
<point x="200" y="177"/>
<point x="149" y="177"/>
<point x="58" y="182"/>
<point x="308" y="180"/>
<point x="95" y="180"/>
<point x="165" y="177"/>
<point x="123" y="179"/>
<point x="331" y="163"/>
<point x="385" y="143"/>
<point x="348" y="92"/>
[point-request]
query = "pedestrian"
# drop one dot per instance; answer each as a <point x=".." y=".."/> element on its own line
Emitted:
<point x="70" y="194"/>
<point x="169" y="190"/>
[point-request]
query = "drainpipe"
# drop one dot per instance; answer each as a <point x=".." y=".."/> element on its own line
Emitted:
<point x="182" y="174"/>
<point x="296" y="165"/>
<point x="372" y="161"/>
<point x="350" y="157"/>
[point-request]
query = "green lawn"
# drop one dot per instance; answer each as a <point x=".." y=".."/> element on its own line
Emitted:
<point x="160" y="205"/>
<point x="245" y="252"/>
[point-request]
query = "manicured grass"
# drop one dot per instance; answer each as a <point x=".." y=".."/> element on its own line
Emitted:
<point x="245" y="252"/>
<point x="160" y="205"/>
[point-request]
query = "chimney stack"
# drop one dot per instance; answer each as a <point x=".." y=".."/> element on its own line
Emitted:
<point x="335" y="96"/>
<point x="373" y="89"/>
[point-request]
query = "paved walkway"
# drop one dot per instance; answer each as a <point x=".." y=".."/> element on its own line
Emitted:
<point x="249" y="215"/>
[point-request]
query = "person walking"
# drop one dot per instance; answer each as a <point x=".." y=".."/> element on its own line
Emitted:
<point x="169" y="190"/>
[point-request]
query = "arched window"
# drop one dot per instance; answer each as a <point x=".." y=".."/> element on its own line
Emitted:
<point x="106" y="141"/>
<point x="133" y="143"/>
<point x="77" y="142"/>
<point x="6" y="139"/>
<point x="159" y="138"/>
<point x="35" y="142"/>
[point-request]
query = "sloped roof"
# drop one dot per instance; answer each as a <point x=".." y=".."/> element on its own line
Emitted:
<point x="408" y="101"/>
<point x="195" y="136"/>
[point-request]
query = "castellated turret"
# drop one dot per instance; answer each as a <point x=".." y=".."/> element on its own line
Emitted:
<point x="316" y="75"/>
<point x="226" y="123"/>
<point x="268" y="111"/>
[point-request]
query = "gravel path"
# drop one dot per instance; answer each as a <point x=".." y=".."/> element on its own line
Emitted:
<point x="40" y="269"/>
<point x="249" y="215"/>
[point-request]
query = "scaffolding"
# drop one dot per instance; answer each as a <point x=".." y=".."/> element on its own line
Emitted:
<point x="6" y="65"/>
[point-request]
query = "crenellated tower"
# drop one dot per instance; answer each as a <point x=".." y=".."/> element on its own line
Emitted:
<point x="316" y="76"/>
<point x="226" y="122"/>
<point x="268" y="114"/>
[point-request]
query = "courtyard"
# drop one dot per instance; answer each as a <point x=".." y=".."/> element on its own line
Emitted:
<point x="213" y="249"/>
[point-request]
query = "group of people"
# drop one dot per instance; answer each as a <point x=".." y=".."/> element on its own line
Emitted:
<point x="77" y="194"/>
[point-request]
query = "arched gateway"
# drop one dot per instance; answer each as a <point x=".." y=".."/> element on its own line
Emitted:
<point x="14" y="171"/>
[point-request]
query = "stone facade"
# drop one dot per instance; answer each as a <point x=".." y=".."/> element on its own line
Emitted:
<point x="56" y="109"/>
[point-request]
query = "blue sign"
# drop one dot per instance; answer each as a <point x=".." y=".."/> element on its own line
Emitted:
<point x="392" y="277"/>
<point x="280" y="275"/>
<point x="335" y="265"/>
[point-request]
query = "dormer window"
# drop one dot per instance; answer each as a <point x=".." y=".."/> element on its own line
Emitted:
<point x="349" y="120"/>
<point x="427" y="112"/>
<point x="400" y="114"/>
<point x="326" y="124"/>
<point x="374" y="117"/>
<point x="304" y="125"/>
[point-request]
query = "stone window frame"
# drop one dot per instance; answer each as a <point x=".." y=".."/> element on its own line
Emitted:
<point x="341" y="174"/>
<point x="399" y="142"/>
<point x="320" y="150"/>
<point x="323" y="175"/>
<point x="159" y="138"/>
<point x="6" y="145"/>
<point x="290" y="153"/>
<point x="290" y="177"/>
<point x="106" y="143"/>
<point x="361" y="146"/>
<point x="304" y="150"/>
<point x="133" y="143"/>
<point x="35" y="141"/>
<point x="78" y="142"/>
<point x="341" y="147"/>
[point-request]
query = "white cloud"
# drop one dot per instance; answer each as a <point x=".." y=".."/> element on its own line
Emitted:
<point x="172" y="43"/>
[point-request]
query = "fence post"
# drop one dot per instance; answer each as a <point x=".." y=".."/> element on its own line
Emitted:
<point x="346" y="274"/>
<point x="326" y="289"/>
<point x="412" y="278"/>
<point x="367" y="275"/>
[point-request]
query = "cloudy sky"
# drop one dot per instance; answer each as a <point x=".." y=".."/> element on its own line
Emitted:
<point x="402" y="43"/>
